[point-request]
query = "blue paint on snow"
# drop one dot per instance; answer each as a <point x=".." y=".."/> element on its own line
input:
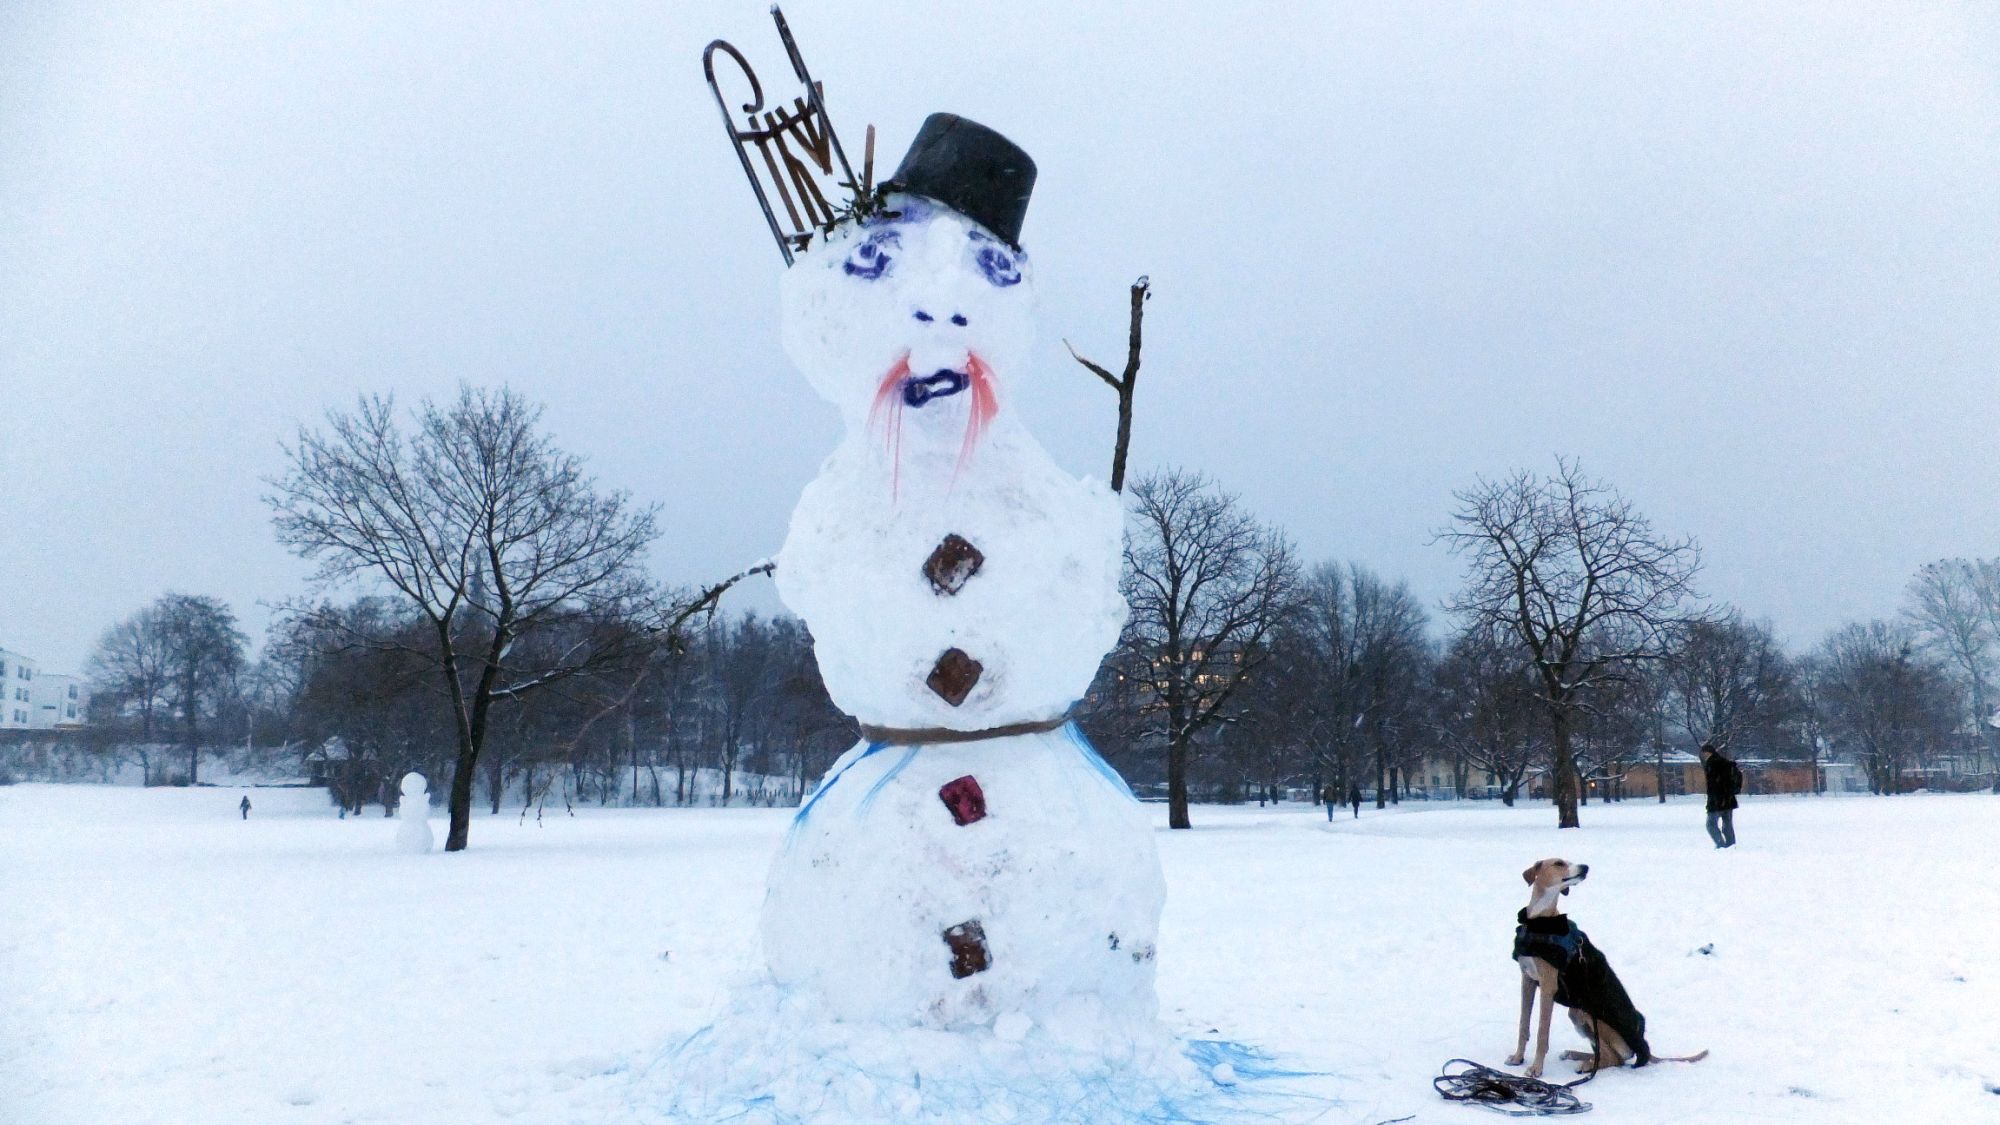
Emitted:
<point x="1048" y="1084"/>
<point x="888" y="776"/>
<point x="827" y="785"/>
<point x="1096" y="761"/>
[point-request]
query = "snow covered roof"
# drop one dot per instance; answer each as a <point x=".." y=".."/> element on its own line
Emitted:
<point x="332" y="750"/>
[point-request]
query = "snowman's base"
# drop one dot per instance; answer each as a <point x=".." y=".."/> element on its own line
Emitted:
<point x="775" y="1059"/>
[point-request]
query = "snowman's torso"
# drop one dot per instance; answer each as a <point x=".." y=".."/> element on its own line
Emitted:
<point x="1035" y="616"/>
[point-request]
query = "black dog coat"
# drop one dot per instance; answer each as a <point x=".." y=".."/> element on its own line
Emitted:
<point x="1584" y="979"/>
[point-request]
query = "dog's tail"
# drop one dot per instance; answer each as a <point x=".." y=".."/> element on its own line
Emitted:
<point x="1694" y="1058"/>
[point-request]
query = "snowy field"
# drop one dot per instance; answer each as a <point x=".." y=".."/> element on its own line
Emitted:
<point x="163" y="961"/>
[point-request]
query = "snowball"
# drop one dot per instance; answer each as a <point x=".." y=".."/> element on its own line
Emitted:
<point x="1044" y="606"/>
<point x="1061" y="875"/>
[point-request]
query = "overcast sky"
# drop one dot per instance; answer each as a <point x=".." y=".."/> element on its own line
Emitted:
<point x="1743" y="260"/>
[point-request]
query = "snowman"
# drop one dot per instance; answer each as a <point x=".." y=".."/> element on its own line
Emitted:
<point x="972" y="861"/>
<point x="413" y="816"/>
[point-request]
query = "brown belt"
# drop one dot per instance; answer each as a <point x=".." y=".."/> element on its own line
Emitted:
<point x="925" y="736"/>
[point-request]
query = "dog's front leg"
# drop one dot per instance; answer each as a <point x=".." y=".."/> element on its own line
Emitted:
<point x="1527" y="1009"/>
<point x="1547" y="1004"/>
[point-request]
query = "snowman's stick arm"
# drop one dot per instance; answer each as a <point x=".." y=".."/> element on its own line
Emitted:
<point x="673" y="623"/>
<point x="672" y="626"/>
<point x="1142" y="290"/>
<point x="1100" y="372"/>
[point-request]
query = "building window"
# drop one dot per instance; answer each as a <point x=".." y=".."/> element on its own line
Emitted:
<point x="72" y="691"/>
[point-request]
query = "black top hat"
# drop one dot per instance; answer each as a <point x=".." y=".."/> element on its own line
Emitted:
<point x="970" y="169"/>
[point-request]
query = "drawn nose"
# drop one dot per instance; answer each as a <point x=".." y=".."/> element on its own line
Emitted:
<point x="956" y="318"/>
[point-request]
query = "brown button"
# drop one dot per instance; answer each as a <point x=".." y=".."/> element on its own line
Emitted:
<point x="952" y="564"/>
<point x="968" y="949"/>
<point x="954" y="675"/>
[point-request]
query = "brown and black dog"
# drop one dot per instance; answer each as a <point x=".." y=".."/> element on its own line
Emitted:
<point x="1559" y="964"/>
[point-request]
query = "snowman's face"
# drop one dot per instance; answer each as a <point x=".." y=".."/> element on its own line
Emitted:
<point x="922" y="315"/>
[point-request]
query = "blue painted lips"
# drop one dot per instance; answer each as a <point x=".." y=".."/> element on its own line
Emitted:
<point x="918" y="391"/>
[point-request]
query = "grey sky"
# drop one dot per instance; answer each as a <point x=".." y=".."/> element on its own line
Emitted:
<point x="1744" y="260"/>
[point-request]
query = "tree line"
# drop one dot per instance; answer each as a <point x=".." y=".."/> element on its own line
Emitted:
<point x="1578" y="647"/>
<point x="481" y="612"/>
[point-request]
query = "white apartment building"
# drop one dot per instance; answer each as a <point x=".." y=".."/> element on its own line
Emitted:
<point x="31" y="699"/>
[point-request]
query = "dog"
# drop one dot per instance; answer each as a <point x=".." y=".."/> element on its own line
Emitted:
<point x="1560" y="966"/>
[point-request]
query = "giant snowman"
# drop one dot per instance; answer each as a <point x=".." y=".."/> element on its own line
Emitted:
<point x="971" y="861"/>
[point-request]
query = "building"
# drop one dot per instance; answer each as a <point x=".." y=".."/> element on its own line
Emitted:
<point x="1679" y="770"/>
<point x="31" y="699"/>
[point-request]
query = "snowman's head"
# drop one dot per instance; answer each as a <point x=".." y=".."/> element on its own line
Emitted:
<point x="911" y="322"/>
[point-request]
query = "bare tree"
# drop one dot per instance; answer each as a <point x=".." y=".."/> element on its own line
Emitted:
<point x="204" y="654"/>
<point x="1488" y="709"/>
<point x="1207" y="583"/>
<point x="1568" y="569"/>
<point x="1360" y="653"/>
<point x="482" y="525"/>
<point x="742" y="677"/>
<point x="1886" y="701"/>
<point x="1955" y="605"/>
<point x="178" y="657"/>
<point x="1729" y="682"/>
<point x="129" y="672"/>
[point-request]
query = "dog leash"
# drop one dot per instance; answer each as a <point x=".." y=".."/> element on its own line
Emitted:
<point x="1493" y="1089"/>
<point x="1496" y="1090"/>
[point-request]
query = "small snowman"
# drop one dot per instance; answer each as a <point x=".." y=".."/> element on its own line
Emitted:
<point x="972" y="861"/>
<point x="413" y="816"/>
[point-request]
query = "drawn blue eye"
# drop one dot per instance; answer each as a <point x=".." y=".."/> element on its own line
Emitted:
<point x="999" y="266"/>
<point x="872" y="257"/>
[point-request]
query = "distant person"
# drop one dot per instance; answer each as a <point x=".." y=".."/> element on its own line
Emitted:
<point x="245" y="806"/>
<point x="1725" y="781"/>
<point x="1354" y="798"/>
<point x="1326" y="798"/>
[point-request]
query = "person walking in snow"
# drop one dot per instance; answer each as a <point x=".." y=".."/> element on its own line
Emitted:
<point x="1354" y="798"/>
<point x="1326" y="798"/>
<point x="1725" y="781"/>
<point x="245" y="806"/>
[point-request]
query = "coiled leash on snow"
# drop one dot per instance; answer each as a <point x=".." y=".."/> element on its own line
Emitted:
<point x="1493" y="1089"/>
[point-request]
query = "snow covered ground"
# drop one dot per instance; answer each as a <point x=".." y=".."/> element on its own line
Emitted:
<point x="163" y="961"/>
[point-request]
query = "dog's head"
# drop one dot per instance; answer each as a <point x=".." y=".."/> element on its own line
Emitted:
<point x="1553" y="875"/>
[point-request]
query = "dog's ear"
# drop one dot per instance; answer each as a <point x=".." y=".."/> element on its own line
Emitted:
<point x="1528" y="876"/>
